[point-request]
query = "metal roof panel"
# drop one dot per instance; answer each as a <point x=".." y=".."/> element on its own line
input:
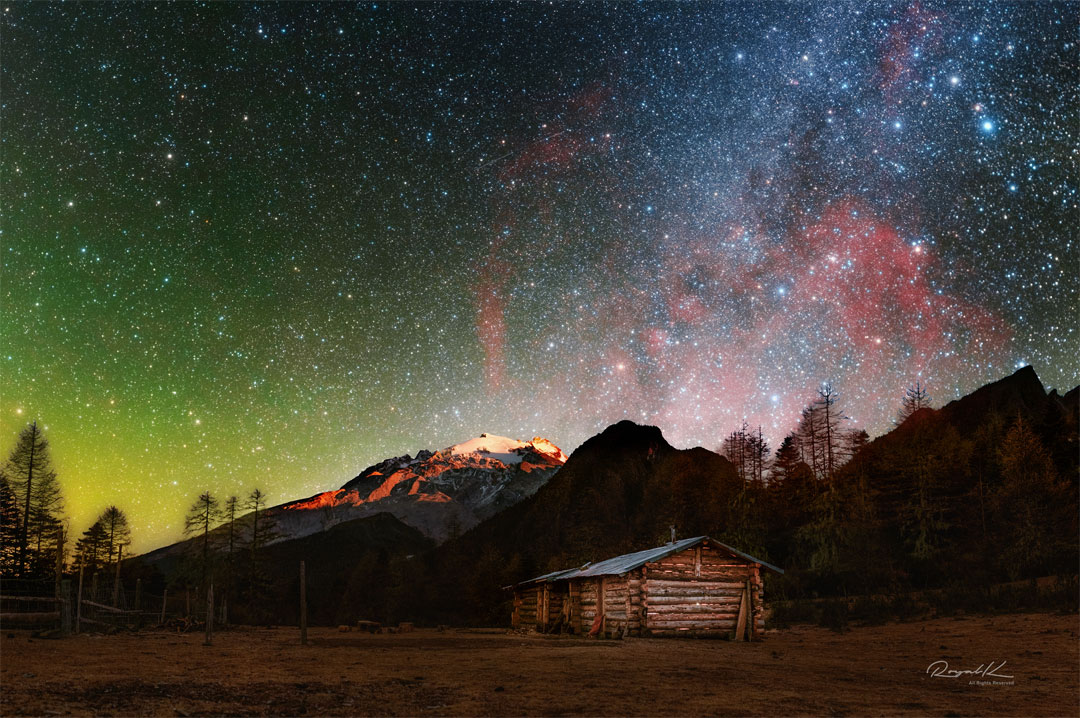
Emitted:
<point x="628" y="562"/>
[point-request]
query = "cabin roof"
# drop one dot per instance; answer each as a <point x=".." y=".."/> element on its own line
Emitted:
<point x="630" y="561"/>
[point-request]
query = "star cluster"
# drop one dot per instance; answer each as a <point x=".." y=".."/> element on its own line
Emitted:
<point x="269" y="244"/>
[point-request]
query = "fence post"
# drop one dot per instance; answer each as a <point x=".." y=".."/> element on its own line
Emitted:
<point x="65" y="606"/>
<point x="138" y="602"/>
<point x="209" y="615"/>
<point x="164" y="600"/>
<point x="225" y="609"/>
<point x="59" y="559"/>
<point x="78" y="600"/>
<point x="116" y="581"/>
<point x="303" y="606"/>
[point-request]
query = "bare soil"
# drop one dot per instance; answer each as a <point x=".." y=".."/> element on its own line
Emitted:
<point x="804" y="670"/>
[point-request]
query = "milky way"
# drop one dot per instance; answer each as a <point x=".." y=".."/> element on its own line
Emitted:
<point x="268" y="245"/>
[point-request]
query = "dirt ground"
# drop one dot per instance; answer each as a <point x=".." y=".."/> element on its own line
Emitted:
<point x="804" y="670"/>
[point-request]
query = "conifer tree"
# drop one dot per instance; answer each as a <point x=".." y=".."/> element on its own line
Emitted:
<point x="261" y="532"/>
<point x="228" y="514"/>
<point x="117" y="531"/>
<point x="29" y="473"/>
<point x="201" y="518"/>
<point x="90" y="549"/>
<point x="9" y="529"/>
<point x="1028" y="501"/>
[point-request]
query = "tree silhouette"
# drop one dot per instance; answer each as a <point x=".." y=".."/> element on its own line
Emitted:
<point x="915" y="398"/>
<point x="1028" y="501"/>
<point x="749" y="453"/>
<point x="262" y="532"/>
<point x="201" y="518"/>
<point x="9" y="528"/>
<point x="90" y="549"/>
<point x="117" y="531"/>
<point x="28" y="471"/>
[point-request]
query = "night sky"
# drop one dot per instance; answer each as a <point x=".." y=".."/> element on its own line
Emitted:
<point x="269" y="244"/>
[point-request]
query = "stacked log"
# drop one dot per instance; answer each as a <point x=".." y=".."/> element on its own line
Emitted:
<point x="588" y="602"/>
<point x="700" y="591"/>
<point x="526" y="609"/>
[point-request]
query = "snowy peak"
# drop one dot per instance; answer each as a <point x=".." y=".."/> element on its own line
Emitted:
<point x="507" y="450"/>
<point x="545" y="447"/>
<point x="437" y="492"/>
<point x="497" y="447"/>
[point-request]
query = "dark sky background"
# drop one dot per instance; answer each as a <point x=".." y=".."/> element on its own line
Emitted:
<point x="269" y="244"/>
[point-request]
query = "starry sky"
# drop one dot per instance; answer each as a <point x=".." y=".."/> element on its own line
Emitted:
<point x="270" y="244"/>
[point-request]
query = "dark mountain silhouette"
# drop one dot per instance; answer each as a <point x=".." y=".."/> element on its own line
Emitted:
<point x="982" y="490"/>
<point x="620" y="491"/>
<point x="918" y="506"/>
<point x="347" y="569"/>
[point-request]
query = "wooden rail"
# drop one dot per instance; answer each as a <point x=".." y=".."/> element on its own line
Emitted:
<point x="28" y="616"/>
<point x="50" y="599"/>
<point x="103" y="607"/>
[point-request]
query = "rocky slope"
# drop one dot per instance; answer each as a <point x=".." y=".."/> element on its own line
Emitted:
<point x="441" y="493"/>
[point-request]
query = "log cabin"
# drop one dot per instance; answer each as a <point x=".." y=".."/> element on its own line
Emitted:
<point x="693" y="587"/>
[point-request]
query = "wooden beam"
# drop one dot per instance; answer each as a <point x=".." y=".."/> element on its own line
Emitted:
<point x="36" y="616"/>
<point x="45" y="599"/>
<point x="644" y="600"/>
<point x="740" y="624"/>
<point x="749" y="610"/>
<point x="108" y="609"/>
<point x="78" y="600"/>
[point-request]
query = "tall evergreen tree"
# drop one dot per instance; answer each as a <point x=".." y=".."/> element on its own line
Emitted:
<point x="90" y="549"/>
<point x="9" y="529"/>
<point x="1029" y="502"/>
<point x="29" y="472"/>
<point x="117" y="531"/>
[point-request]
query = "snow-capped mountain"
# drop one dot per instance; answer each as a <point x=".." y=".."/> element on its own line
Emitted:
<point x="440" y="493"/>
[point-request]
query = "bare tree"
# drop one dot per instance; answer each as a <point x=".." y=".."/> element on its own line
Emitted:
<point x="229" y="516"/>
<point x="819" y="438"/>
<point x="201" y="518"/>
<point x="826" y="402"/>
<point x="915" y="398"/>
<point x="748" y="452"/>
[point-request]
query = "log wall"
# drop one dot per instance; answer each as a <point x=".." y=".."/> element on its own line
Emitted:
<point x="622" y="608"/>
<point x="699" y="591"/>
<point x="525" y="604"/>
<point x="696" y="591"/>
